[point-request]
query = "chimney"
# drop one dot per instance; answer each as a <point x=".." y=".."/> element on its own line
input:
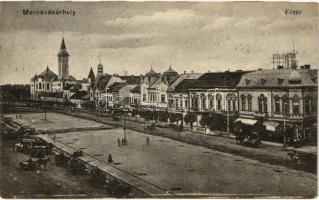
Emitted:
<point x="280" y="67"/>
<point x="192" y="72"/>
<point x="185" y="72"/>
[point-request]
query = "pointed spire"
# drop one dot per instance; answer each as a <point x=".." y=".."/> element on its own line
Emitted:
<point x="62" y="45"/>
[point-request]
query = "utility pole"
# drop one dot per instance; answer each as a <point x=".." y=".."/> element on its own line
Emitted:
<point x="285" y="135"/>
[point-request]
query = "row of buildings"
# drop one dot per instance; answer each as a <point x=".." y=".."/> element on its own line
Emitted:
<point x="282" y="99"/>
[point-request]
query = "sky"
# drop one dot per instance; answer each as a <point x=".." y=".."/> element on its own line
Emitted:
<point x="132" y="37"/>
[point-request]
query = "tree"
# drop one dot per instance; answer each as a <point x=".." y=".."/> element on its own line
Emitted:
<point x="218" y="122"/>
<point x="190" y="118"/>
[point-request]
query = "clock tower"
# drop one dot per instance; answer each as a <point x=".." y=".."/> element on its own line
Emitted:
<point x="63" y="59"/>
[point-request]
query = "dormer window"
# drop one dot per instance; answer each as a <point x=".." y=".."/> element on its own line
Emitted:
<point x="263" y="81"/>
<point x="280" y="81"/>
<point x="247" y="81"/>
<point x="314" y="79"/>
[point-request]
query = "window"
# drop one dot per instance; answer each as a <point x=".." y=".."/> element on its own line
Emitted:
<point x="249" y="98"/>
<point x="229" y="104"/>
<point x="234" y="105"/>
<point x="48" y="86"/>
<point x="186" y="103"/>
<point x="176" y="102"/>
<point x="295" y="105"/>
<point x="181" y="102"/>
<point x="285" y="105"/>
<point x="307" y="105"/>
<point x="144" y="97"/>
<point x="170" y="103"/>
<point x="204" y="102"/>
<point x="262" y="104"/>
<point x="211" y="103"/>
<point x="219" y="101"/>
<point x="277" y="104"/>
<point x="314" y="105"/>
<point x="40" y="86"/>
<point x="243" y="103"/>
<point x="163" y="98"/>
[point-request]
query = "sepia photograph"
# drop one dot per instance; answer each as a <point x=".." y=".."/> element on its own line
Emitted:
<point x="123" y="99"/>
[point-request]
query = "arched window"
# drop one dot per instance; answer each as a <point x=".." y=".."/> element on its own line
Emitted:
<point x="211" y="102"/>
<point x="277" y="104"/>
<point x="308" y="100"/>
<point x="262" y="104"/>
<point x="285" y="105"/>
<point x="243" y="102"/>
<point x="295" y="105"/>
<point x="203" y="98"/>
<point x="249" y="98"/>
<point x="219" y="101"/>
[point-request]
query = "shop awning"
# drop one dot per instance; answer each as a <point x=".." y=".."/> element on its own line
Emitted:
<point x="271" y="126"/>
<point x="250" y="122"/>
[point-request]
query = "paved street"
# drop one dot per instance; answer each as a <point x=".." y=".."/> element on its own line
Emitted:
<point x="173" y="165"/>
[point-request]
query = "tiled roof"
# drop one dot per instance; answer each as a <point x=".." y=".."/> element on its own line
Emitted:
<point x="91" y="75"/>
<point x="136" y="89"/>
<point x="169" y="71"/>
<point x="279" y="78"/>
<point x="211" y="80"/>
<point x="102" y="81"/>
<point x="181" y="78"/>
<point x="152" y="73"/>
<point x="117" y="86"/>
<point x="131" y="79"/>
<point x="46" y="75"/>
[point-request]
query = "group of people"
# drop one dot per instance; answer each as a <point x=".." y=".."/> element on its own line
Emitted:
<point x="122" y="141"/>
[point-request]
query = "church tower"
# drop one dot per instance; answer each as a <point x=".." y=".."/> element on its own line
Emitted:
<point x="63" y="58"/>
<point x="99" y="68"/>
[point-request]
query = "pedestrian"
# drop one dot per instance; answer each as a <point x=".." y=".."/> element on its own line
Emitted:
<point x="16" y="116"/>
<point x="147" y="141"/>
<point x="54" y="138"/>
<point x="110" y="159"/>
<point x="20" y="116"/>
<point x="119" y="142"/>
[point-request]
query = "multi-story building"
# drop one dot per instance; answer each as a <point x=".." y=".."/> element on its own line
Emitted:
<point x="154" y="88"/>
<point x="208" y="94"/>
<point x="277" y="101"/>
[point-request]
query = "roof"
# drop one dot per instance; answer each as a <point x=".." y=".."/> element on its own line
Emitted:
<point x="63" y="49"/>
<point x="132" y="79"/>
<point x="79" y="95"/>
<point x="136" y="89"/>
<point x="181" y="78"/>
<point x="102" y="81"/>
<point x="169" y="71"/>
<point x="47" y="75"/>
<point x="91" y="75"/>
<point x="211" y="80"/>
<point x="152" y="73"/>
<point x="279" y="78"/>
<point x="62" y="44"/>
<point x="117" y="86"/>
